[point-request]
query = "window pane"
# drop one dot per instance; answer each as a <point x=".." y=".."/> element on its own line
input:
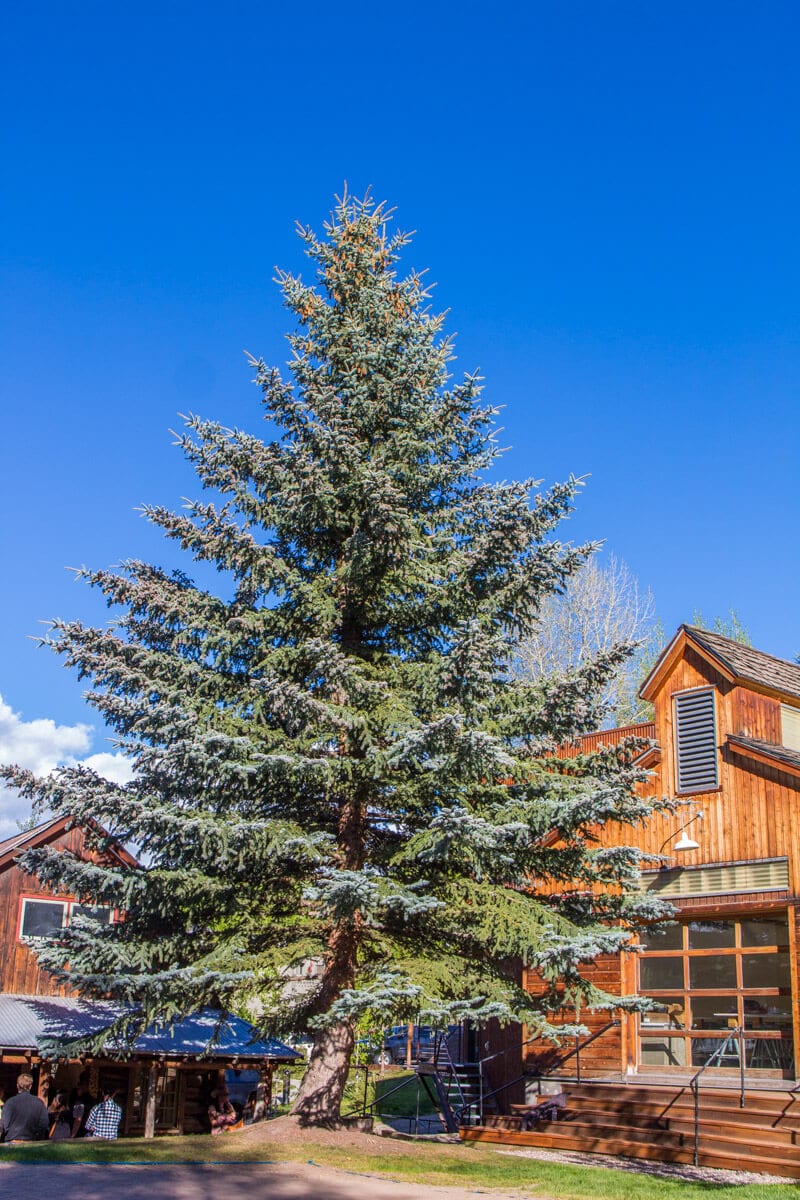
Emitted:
<point x="96" y="912"/>
<point x="41" y="918"/>
<point x="765" y="931"/>
<point x="660" y="973"/>
<point x="167" y="1098"/>
<point x="663" y="937"/>
<point x="669" y="1013"/>
<point x="713" y="972"/>
<point x="714" y="1012"/>
<point x="765" y="970"/>
<point x="706" y="1049"/>
<point x="768" y="1012"/>
<point x="769" y="1054"/>
<point x="711" y="935"/>
<point x="663" y="1052"/>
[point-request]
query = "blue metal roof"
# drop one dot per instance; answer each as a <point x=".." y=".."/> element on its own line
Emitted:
<point x="30" y="1022"/>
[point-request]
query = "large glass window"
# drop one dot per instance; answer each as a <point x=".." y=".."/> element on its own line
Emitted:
<point x="709" y="980"/>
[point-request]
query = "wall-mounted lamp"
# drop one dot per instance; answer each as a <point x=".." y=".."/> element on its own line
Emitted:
<point x="684" y="842"/>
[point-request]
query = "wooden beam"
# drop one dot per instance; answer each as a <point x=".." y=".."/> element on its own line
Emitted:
<point x="150" y="1103"/>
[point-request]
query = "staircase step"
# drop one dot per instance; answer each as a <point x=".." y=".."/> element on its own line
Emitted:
<point x="756" y="1126"/>
<point x="723" y="1157"/>
<point x="658" y="1123"/>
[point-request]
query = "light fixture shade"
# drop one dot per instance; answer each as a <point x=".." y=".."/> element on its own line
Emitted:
<point x="684" y="842"/>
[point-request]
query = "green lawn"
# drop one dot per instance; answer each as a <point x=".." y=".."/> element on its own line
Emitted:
<point x="456" y="1165"/>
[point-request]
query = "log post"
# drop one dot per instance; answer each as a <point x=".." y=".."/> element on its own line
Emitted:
<point x="150" y="1103"/>
<point x="45" y="1079"/>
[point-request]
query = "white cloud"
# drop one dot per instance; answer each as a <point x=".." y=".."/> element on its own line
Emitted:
<point x="115" y="767"/>
<point x="40" y="745"/>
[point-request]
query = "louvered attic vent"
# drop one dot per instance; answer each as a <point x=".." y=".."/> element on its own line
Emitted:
<point x="696" y="741"/>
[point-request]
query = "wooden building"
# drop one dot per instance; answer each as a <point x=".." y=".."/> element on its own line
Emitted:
<point x="709" y="1074"/>
<point x="164" y="1081"/>
<point x="726" y="746"/>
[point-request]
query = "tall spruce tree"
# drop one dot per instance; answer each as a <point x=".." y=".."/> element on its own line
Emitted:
<point x="332" y="756"/>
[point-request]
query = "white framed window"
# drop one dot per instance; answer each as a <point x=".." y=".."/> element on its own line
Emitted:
<point x="40" y="916"/>
<point x="696" y="756"/>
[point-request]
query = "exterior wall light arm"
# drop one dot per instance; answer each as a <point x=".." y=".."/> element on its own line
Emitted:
<point x="684" y="842"/>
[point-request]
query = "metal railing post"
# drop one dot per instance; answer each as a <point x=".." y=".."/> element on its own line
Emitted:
<point x="696" y="1091"/>
<point x="578" y="1057"/>
<point x="741" y="1067"/>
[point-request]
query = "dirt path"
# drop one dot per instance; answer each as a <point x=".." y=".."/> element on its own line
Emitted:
<point x="229" y="1181"/>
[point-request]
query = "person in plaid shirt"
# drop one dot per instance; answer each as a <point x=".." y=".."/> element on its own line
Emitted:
<point x="104" y="1118"/>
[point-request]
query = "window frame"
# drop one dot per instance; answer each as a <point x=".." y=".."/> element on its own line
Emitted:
<point x="27" y="898"/>
<point x="67" y="903"/>
<point x="739" y="994"/>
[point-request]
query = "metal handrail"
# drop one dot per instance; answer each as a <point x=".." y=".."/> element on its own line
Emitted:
<point x="735" y="1034"/>
<point x="576" y="1049"/>
<point x="441" y="1051"/>
<point x="453" y="1073"/>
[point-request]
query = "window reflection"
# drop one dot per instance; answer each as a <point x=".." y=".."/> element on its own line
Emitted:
<point x="712" y="935"/>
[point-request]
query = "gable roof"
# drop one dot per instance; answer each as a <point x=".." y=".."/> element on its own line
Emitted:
<point x="28" y="1022"/>
<point x="47" y="832"/>
<point x="740" y="664"/>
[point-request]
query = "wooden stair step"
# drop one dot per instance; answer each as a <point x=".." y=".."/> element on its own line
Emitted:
<point x="719" y="1096"/>
<point x="749" y="1124"/>
<point x="626" y="1148"/>
<point x="587" y="1130"/>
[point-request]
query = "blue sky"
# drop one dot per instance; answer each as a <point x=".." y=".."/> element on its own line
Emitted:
<point x="606" y="194"/>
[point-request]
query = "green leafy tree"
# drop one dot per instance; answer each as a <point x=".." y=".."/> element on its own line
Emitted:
<point x="332" y="755"/>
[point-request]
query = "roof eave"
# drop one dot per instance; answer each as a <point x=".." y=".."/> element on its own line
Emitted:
<point x="672" y="654"/>
<point x="761" y="755"/>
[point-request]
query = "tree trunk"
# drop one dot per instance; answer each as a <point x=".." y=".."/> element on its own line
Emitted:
<point x="319" y="1100"/>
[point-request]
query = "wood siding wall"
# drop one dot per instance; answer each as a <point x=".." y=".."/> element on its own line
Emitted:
<point x="19" y="970"/>
<point x="753" y="814"/>
<point x="601" y="1056"/>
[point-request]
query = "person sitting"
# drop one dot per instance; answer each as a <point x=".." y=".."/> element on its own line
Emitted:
<point x="24" y="1116"/>
<point x="221" y="1113"/>
<point x="105" y="1117"/>
<point x="60" y="1118"/>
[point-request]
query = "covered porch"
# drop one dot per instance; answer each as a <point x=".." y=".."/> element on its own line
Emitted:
<point x="163" y="1081"/>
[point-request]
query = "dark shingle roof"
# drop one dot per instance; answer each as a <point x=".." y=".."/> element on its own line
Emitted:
<point x="28" y="1022"/>
<point x="752" y="666"/>
<point x="781" y="754"/>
